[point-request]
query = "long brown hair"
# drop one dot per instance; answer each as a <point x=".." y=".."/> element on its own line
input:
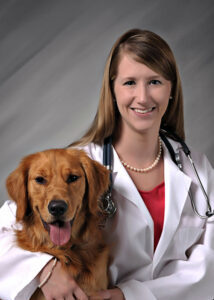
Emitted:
<point x="150" y="49"/>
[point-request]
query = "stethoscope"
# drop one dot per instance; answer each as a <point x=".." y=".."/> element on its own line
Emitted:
<point x="108" y="205"/>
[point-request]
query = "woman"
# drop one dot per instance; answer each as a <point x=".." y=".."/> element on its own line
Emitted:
<point x="160" y="249"/>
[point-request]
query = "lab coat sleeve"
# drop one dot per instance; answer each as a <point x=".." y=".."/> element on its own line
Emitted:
<point x="18" y="268"/>
<point x="190" y="279"/>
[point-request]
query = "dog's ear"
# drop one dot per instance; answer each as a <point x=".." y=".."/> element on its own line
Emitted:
<point x="97" y="179"/>
<point x="16" y="185"/>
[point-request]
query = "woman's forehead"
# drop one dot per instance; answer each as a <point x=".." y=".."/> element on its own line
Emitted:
<point x="129" y="66"/>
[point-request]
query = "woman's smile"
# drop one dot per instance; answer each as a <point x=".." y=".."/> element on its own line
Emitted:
<point x="141" y="111"/>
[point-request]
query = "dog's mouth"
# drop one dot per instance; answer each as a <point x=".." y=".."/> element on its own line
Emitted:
<point x="59" y="231"/>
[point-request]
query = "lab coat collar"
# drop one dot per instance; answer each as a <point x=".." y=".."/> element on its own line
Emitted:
<point x="177" y="186"/>
<point x="123" y="183"/>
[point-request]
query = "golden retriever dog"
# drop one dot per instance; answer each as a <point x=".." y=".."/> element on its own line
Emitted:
<point x="58" y="193"/>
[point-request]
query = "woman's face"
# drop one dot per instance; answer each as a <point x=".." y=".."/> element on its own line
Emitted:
<point x="142" y="95"/>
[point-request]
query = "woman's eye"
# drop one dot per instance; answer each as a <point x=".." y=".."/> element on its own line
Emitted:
<point x="130" y="82"/>
<point x="155" y="81"/>
<point x="72" y="178"/>
<point x="40" y="180"/>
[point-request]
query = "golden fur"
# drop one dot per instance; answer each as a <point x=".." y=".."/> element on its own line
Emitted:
<point x="69" y="176"/>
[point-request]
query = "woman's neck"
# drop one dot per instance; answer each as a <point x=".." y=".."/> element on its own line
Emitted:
<point x="137" y="149"/>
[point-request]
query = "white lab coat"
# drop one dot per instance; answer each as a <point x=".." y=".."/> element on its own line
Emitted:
<point x="182" y="266"/>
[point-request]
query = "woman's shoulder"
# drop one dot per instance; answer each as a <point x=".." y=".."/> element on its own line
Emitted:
<point x="199" y="158"/>
<point x="93" y="150"/>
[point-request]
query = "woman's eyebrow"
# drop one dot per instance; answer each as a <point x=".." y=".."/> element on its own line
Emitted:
<point x="155" y="76"/>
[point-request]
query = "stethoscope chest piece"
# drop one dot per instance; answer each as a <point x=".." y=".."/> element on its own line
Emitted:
<point x="108" y="206"/>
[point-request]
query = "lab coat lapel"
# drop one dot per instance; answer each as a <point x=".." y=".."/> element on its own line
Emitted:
<point x="177" y="185"/>
<point x="124" y="185"/>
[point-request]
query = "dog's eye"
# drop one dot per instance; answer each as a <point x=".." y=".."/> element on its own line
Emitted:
<point x="72" y="178"/>
<point x="40" y="180"/>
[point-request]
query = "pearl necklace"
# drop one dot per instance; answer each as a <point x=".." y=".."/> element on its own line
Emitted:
<point x="155" y="162"/>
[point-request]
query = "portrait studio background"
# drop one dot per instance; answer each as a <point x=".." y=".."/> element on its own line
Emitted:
<point x="52" y="56"/>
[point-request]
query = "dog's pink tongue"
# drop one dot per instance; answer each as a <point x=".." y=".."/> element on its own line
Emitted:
<point x="60" y="235"/>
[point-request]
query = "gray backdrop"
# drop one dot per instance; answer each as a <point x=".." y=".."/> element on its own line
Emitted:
<point x="52" y="56"/>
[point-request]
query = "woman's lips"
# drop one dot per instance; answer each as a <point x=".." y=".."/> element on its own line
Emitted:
<point x="143" y="111"/>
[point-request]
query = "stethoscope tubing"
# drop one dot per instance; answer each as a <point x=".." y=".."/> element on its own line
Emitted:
<point x="109" y="207"/>
<point x="209" y="212"/>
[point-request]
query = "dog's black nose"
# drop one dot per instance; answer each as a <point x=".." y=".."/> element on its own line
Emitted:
<point x="57" y="207"/>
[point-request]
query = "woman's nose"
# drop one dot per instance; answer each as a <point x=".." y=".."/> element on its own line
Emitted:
<point x="141" y="93"/>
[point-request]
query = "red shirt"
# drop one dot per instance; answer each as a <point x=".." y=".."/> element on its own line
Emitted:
<point x="155" y="203"/>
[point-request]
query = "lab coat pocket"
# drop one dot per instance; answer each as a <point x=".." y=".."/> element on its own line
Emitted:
<point x="183" y="240"/>
<point x="179" y="247"/>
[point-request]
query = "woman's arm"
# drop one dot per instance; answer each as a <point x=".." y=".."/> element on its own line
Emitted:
<point x="19" y="268"/>
<point x="112" y="294"/>
<point x="21" y="271"/>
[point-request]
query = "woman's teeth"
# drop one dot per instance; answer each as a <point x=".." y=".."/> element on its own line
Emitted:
<point x="143" y="111"/>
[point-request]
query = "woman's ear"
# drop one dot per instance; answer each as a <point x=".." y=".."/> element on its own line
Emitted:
<point x="97" y="179"/>
<point x="16" y="185"/>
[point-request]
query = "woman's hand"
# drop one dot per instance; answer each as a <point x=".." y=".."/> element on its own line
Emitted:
<point x="113" y="294"/>
<point x="60" y="285"/>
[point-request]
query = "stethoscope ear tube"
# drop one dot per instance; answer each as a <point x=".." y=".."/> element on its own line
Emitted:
<point x="107" y="153"/>
<point x="168" y="146"/>
<point x="108" y="205"/>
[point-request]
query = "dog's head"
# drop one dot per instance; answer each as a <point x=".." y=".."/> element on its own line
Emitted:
<point x="54" y="186"/>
